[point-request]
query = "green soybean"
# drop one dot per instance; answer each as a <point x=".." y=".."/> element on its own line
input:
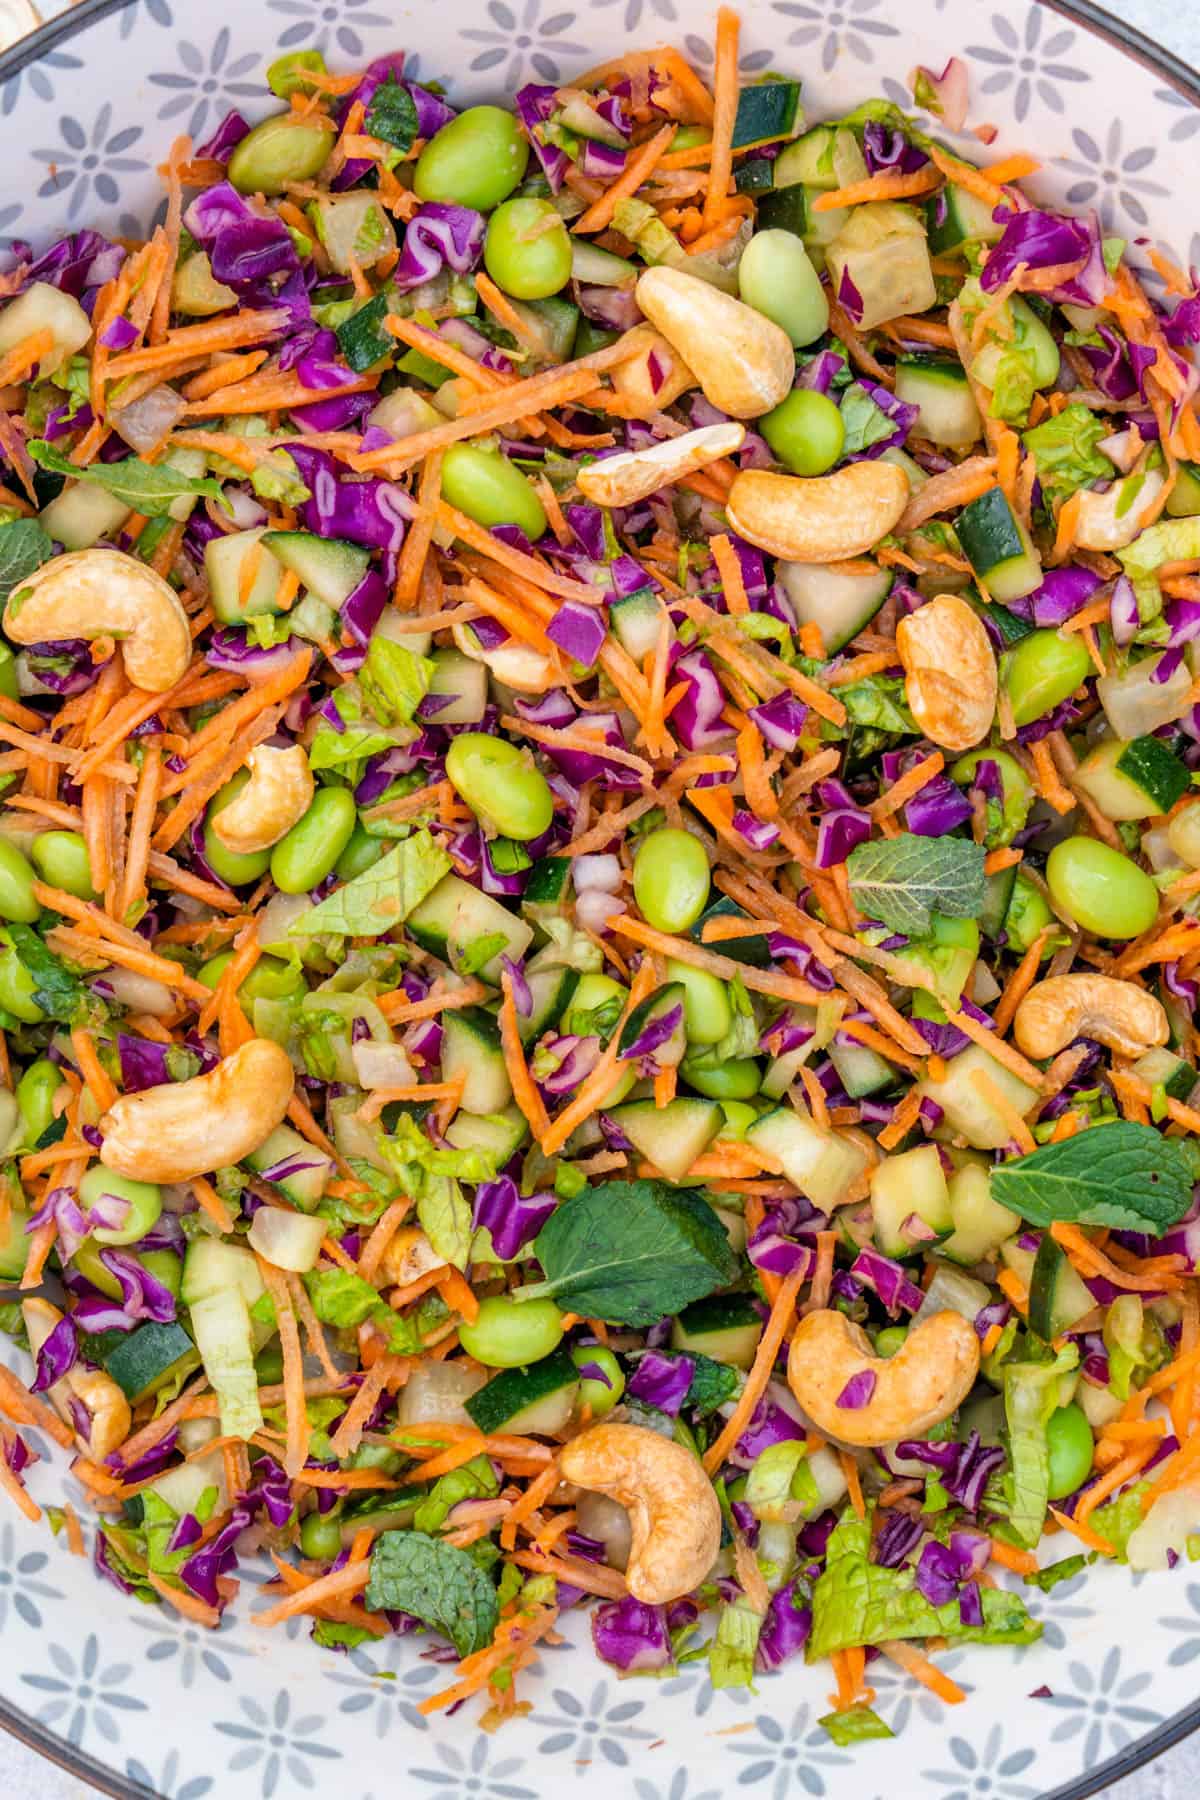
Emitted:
<point x="282" y="149"/>
<point x="165" y="1266"/>
<point x="1097" y="887"/>
<point x="500" y="784"/>
<point x="17" y="986"/>
<point x="144" y="1197"/>
<point x="777" y="279"/>
<point x="671" y="879"/>
<point x="593" y="992"/>
<point x="1028" y="914"/>
<point x="235" y="867"/>
<point x="1016" y="790"/>
<point x="269" y="979"/>
<point x="602" y="1390"/>
<point x="527" y="249"/>
<point x="739" y="1117"/>
<point x="35" y="1098"/>
<point x="1042" y="670"/>
<point x="17" y="876"/>
<point x="737" y="1079"/>
<point x="268" y="1366"/>
<point x="485" y="485"/>
<point x="1070" y="1447"/>
<point x="320" y="1537"/>
<point x="476" y="160"/>
<point x="86" y="1259"/>
<point x="362" y="852"/>
<point x="806" y="432"/>
<point x="9" y="685"/>
<point x="507" y="1334"/>
<point x="308" y="852"/>
<point x="890" y="1339"/>
<point x="707" y="1014"/>
<point x="62" y="860"/>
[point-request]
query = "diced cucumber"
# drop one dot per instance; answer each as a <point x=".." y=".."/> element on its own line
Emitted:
<point x="725" y="1327"/>
<point x="221" y="1324"/>
<point x="784" y="207"/>
<point x="981" y="1224"/>
<point x="551" y="990"/>
<point x="455" y="916"/>
<point x="224" y="560"/>
<point x="1183" y="502"/>
<point x="498" y="1135"/>
<point x="822" y="1164"/>
<point x="537" y="1399"/>
<point x="600" y="268"/>
<point x="782" y="1070"/>
<point x="672" y="1136"/>
<point x="196" y="292"/>
<point x="635" y="623"/>
<point x="998" y="547"/>
<point x="821" y="228"/>
<point x="1162" y="1068"/>
<point x="83" y="514"/>
<point x="548" y="887"/>
<point x="948" y="414"/>
<point x="881" y="248"/>
<point x="1137" y="780"/>
<point x="1160" y="775"/>
<point x="657" y="1006"/>
<point x="183" y="1486"/>
<point x="150" y="1357"/>
<point x="954" y="218"/>
<point x="193" y="464"/>
<point x="904" y="1185"/>
<point x="826" y="157"/>
<point x="353" y="229"/>
<point x="45" y="308"/>
<point x="840" y="605"/>
<point x="306" y="1186"/>
<point x="471" y="1048"/>
<point x="750" y="950"/>
<point x="403" y="413"/>
<point x="550" y="325"/>
<point x="766" y="112"/>
<point x="14" y="1245"/>
<point x="463" y="678"/>
<point x="997" y="893"/>
<point x="967" y="1108"/>
<point x="213" y="1266"/>
<point x="329" y="567"/>
<point x="861" y="1071"/>
<point x="1018" y="327"/>
<point x="1058" y="1298"/>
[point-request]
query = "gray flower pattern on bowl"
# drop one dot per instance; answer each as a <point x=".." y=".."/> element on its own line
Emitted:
<point x="208" y="83"/>
<point x="989" y="1770"/>
<point x="276" y="1745"/>
<point x="1032" y="63"/>
<point x="87" y="161"/>
<point x="1104" y="1708"/>
<point x="592" y="1728"/>
<point x="1112" y="179"/>
<point x="168" y="1782"/>
<point x="788" y="1754"/>
<point x="846" y="28"/>
<point x="524" y="44"/>
<point x="477" y="1769"/>
<point x="82" y="1694"/>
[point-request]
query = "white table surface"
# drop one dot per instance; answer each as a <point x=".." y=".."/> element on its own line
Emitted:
<point x="1175" y="1776"/>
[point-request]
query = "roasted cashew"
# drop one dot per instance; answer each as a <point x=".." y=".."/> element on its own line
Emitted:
<point x="622" y="480"/>
<point x="1117" y="1014"/>
<point x="278" y="793"/>
<point x="745" y="363"/>
<point x="825" y="519"/>
<point x="931" y="1373"/>
<point x="673" y="1512"/>
<point x="408" y="1256"/>
<point x="104" y="593"/>
<point x="650" y="385"/>
<point x="950" y="677"/>
<point x="184" y="1128"/>
<point x="1110" y="520"/>
<point x="107" y="1408"/>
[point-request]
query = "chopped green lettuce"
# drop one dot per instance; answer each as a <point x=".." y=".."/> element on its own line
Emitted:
<point x="1065" y="451"/>
<point x="1031" y="1394"/>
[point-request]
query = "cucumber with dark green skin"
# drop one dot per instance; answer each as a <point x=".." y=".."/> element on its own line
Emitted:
<point x="724" y="1327"/>
<point x="939" y="387"/>
<point x="766" y="112"/>
<point x="1010" y="625"/>
<point x="498" y="1134"/>
<point x="636" y="621"/>
<point x="363" y="339"/>
<point x="657" y="1005"/>
<point x="551" y="992"/>
<point x="1155" y="770"/>
<point x="149" y="1357"/>
<point x="752" y="950"/>
<point x="955" y="217"/>
<point x="784" y="209"/>
<point x="500" y="1405"/>
<point x="997" y="546"/>
<point x="548" y="884"/>
<point x="755" y="176"/>
<point x="1162" y="1068"/>
<point x="997" y="892"/>
<point x="471" y="1047"/>
<point x="456" y="915"/>
<point x="331" y="567"/>
<point x="1056" y="1294"/>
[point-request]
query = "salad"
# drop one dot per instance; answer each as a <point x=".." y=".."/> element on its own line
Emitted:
<point x="599" y="858"/>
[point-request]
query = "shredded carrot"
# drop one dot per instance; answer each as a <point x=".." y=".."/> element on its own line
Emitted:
<point x="639" y="166"/>
<point x="910" y="1659"/>
<point x="298" y="1429"/>
<point x="781" y="1316"/>
<point x="884" y="186"/>
<point x="524" y="1088"/>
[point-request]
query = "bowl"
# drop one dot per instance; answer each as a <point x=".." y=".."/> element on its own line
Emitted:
<point x="132" y="1698"/>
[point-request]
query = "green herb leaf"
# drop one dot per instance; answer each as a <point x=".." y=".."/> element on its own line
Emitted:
<point x="392" y="115"/>
<point x="903" y="880"/>
<point x="442" y="1586"/>
<point x="24" y="546"/>
<point x="382" y="896"/>
<point x="878" y="703"/>
<point x="713" y="1383"/>
<point x="362" y="338"/>
<point x="731" y="1651"/>
<point x="855" y="1726"/>
<point x="629" y="1252"/>
<point x="344" y="1300"/>
<point x="338" y="1637"/>
<point x="148" y="488"/>
<point x="474" y="1481"/>
<point x="1123" y="1175"/>
<point x="60" y="994"/>
<point x="1070" y="1566"/>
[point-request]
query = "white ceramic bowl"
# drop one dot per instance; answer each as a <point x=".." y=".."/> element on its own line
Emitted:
<point x="128" y="1696"/>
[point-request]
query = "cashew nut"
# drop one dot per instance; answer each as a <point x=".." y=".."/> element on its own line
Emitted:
<point x="183" y="1128"/>
<point x="745" y="363"/>
<point x="104" y="593"/>
<point x="1116" y="1013"/>
<point x="408" y="1256"/>
<point x="949" y="671"/>
<point x="278" y="793"/>
<point x="1111" y="520"/>
<point x="931" y="1373"/>
<point x="826" y="519"/>
<point x="674" y="1516"/>
<point x="108" y="1409"/>
<point x="622" y="480"/>
<point x="649" y="386"/>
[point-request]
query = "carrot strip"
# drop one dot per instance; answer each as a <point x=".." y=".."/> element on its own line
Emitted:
<point x="781" y="1316"/>
<point x="884" y="186"/>
<point x="638" y="167"/>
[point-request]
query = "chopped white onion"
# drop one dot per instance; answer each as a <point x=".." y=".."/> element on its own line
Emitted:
<point x="140" y="993"/>
<point x="146" y="422"/>
<point x="1123" y="448"/>
<point x="596" y="874"/>
<point x="245" y="511"/>
<point x="281" y="911"/>
<point x="381" y="1065"/>
<point x="593" y="910"/>
<point x="435" y="1392"/>
<point x="289" y="1240"/>
<point x="952" y="1291"/>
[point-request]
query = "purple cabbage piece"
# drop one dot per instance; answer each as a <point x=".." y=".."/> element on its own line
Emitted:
<point x="615" y="308"/>
<point x="1183" y="326"/>
<point x="362" y="610"/>
<point x="820" y="370"/>
<point x="697" y="716"/>
<point x="936" y="1573"/>
<point x="631" y="1636"/>
<point x="888" y="1280"/>
<point x="64" y="665"/>
<point x="218" y="1557"/>
<point x="63" y="1207"/>
<point x="887" y="149"/>
<point x="897" y="1540"/>
<point x="1062" y="593"/>
<point x="142" y="1294"/>
<point x="587" y="523"/>
<point x="780" y="720"/>
<point x="769" y="1424"/>
<point x="785" y="1629"/>
<point x="601" y="162"/>
<point x="970" y="1604"/>
<point x="232" y="649"/>
<point x="937" y="809"/>
<point x="244" y="245"/>
<point x="105" y="1567"/>
<point x="662" y="1381"/>
<point x="143" y="1063"/>
<point x="152" y="1462"/>
<point x="514" y="1219"/>
<point x="901" y="412"/>
<point x="770" y="1248"/>
<point x="224" y="140"/>
<point x="858" y="1390"/>
<point x="849" y="298"/>
<point x="841" y="831"/>
<point x="270" y="1486"/>
<point x="964" y="1469"/>
<point x="758" y="834"/>
<point x="1045" y="240"/>
<point x="439" y="236"/>
<point x="579" y="630"/>
<point x="82" y="260"/>
<point x="57" y="1355"/>
<point x="313" y="354"/>
<point x="533" y="105"/>
<point x="658" y="1032"/>
<point x="580" y="766"/>
<point x="372" y="514"/>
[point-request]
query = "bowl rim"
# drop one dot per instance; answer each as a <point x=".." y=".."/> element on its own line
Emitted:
<point x="1158" y="60"/>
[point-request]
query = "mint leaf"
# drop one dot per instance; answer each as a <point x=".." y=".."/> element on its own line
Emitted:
<point x="442" y="1586"/>
<point x="147" y="487"/>
<point x="24" y="546"/>
<point x="382" y="896"/>
<point x="60" y="994"/>
<point x="630" y="1252"/>
<point x="902" y="880"/>
<point x="392" y="115"/>
<point x="713" y="1383"/>
<point x="1123" y="1175"/>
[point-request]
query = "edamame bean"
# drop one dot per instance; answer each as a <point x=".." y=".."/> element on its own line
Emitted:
<point x="144" y="1197"/>
<point x="35" y="1098"/>
<point x="707" y="1014"/>
<point x="737" y="1079"/>
<point x="595" y="1007"/>
<point x="308" y="852"/>
<point x="269" y="979"/>
<point x="165" y="1266"/>
<point x="507" y="1334"/>
<point x="361" y="853"/>
<point x="320" y="1537"/>
<point x="62" y="860"/>
<point x="1070" y="1447"/>
<point x="738" y="1119"/>
<point x="17" y="876"/>
<point x="86" y="1259"/>
<point x="500" y="784"/>
<point x="17" y="985"/>
<point x="1016" y="792"/>
<point x="229" y="865"/>
<point x="1042" y="670"/>
<point x="604" y="1388"/>
<point x="1028" y="913"/>
<point x="284" y="148"/>
<point x="890" y="1339"/>
<point x="527" y="250"/>
<point x="805" y="431"/>
<point x="1097" y="887"/>
<point x="777" y="279"/>
<point x="9" y="685"/>
<point x="485" y="485"/>
<point x="268" y="1366"/>
<point x="671" y="879"/>
<point x="476" y="160"/>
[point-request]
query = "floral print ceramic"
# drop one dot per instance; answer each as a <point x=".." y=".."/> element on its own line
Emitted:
<point x="146" y="1702"/>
